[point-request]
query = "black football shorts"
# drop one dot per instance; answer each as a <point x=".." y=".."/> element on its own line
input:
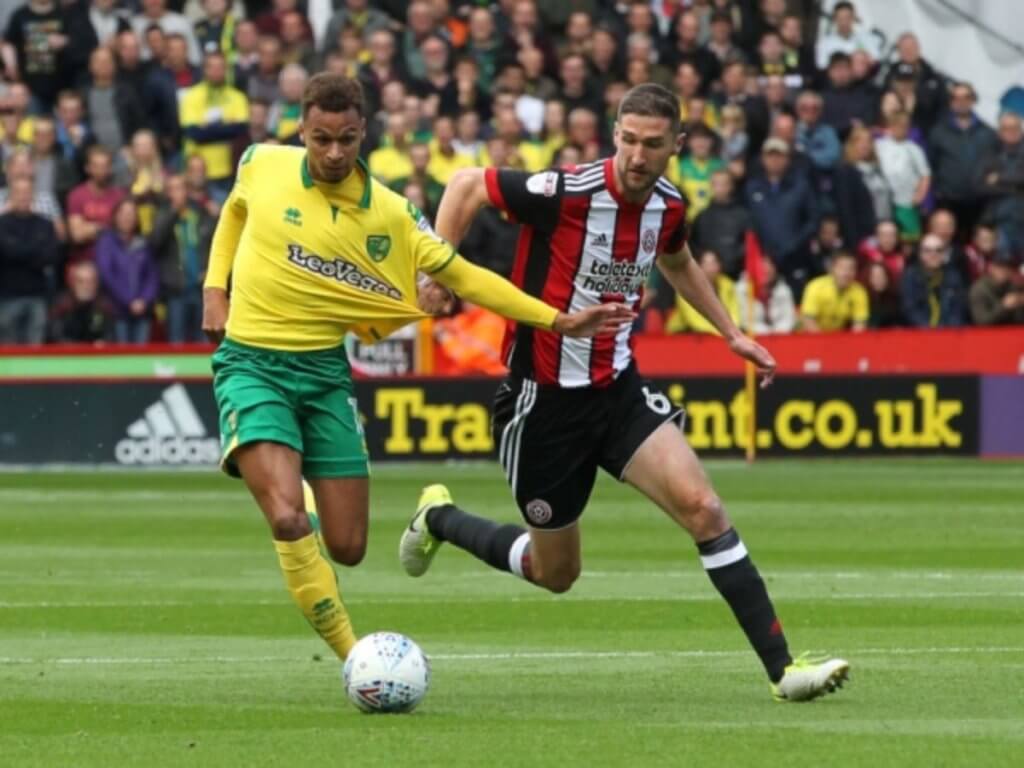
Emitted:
<point x="552" y="440"/>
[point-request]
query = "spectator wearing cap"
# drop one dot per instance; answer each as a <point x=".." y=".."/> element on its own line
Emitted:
<point x="691" y="172"/>
<point x="357" y="14"/>
<point x="843" y="36"/>
<point x="846" y="101"/>
<point x="933" y="291"/>
<point x="785" y="212"/>
<point x="28" y="252"/>
<point x="213" y="114"/>
<point x="684" y="45"/>
<point x="836" y="301"/>
<point x="906" y="169"/>
<point x="722" y="226"/>
<point x="1002" y="183"/>
<point x="997" y="297"/>
<point x="958" y="146"/>
<point x="922" y="88"/>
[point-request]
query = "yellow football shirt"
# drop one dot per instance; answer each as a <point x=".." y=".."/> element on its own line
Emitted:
<point x="831" y="309"/>
<point x="310" y="261"/>
<point x="315" y="261"/>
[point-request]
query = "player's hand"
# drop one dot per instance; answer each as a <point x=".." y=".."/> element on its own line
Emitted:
<point x="750" y="350"/>
<point x="215" y="313"/>
<point x="600" y="320"/>
<point x="434" y="299"/>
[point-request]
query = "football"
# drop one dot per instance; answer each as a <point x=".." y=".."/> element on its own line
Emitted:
<point x="386" y="672"/>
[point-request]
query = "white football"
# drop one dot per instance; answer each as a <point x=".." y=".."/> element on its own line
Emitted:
<point x="386" y="672"/>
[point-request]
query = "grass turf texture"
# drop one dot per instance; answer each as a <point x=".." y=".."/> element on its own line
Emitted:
<point x="143" y="622"/>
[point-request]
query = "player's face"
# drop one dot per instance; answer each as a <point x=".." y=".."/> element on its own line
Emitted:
<point x="332" y="142"/>
<point x="643" y="146"/>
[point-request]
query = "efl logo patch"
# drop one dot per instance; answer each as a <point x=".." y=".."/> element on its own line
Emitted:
<point x="538" y="512"/>
<point x="649" y="241"/>
<point x="543" y="183"/>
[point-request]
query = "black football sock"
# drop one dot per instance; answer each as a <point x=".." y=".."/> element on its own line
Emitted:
<point x="505" y="547"/>
<point x="736" y="578"/>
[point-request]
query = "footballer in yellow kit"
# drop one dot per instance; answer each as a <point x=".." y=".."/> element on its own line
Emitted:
<point x="313" y="249"/>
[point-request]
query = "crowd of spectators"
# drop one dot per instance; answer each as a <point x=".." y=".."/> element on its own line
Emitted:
<point x="877" y="194"/>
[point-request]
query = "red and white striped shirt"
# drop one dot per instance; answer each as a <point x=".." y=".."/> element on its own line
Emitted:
<point x="582" y="244"/>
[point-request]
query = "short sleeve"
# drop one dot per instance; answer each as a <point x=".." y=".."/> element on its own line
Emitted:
<point x="677" y="232"/>
<point x="529" y="198"/>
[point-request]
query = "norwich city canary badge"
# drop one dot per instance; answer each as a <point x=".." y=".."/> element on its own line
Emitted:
<point x="378" y="247"/>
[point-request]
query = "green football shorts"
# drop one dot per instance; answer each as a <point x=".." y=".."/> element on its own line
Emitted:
<point x="304" y="400"/>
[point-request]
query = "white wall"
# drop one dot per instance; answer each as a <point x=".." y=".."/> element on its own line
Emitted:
<point x="955" y="46"/>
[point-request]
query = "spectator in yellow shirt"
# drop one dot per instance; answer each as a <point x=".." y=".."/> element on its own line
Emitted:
<point x="213" y="114"/>
<point x="684" y="318"/>
<point x="836" y="301"/>
<point x="444" y="159"/>
<point x="390" y="161"/>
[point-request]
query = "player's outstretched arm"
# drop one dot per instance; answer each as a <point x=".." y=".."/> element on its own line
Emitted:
<point x="483" y="287"/>
<point x="465" y="194"/>
<point x="222" y="256"/>
<point x="686" y="276"/>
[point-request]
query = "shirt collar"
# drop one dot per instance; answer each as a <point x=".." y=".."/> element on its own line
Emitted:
<point x="364" y="201"/>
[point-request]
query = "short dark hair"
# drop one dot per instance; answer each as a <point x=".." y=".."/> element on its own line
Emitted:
<point x="332" y="93"/>
<point x="651" y="100"/>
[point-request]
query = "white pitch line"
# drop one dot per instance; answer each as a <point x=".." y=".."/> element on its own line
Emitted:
<point x="483" y="656"/>
<point x="781" y="595"/>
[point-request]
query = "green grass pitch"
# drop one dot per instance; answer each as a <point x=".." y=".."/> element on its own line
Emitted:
<point x="143" y="622"/>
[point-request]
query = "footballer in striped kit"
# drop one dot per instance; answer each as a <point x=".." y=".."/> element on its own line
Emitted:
<point x="572" y="406"/>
